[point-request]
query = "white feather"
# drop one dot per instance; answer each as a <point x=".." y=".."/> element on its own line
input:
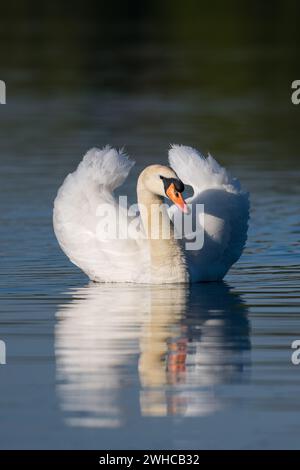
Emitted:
<point x="76" y="219"/>
<point x="198" y="171"/>
<point x="226" y="212"/>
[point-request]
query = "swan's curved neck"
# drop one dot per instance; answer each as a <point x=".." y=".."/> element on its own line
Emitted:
<point x="167" y="258"/>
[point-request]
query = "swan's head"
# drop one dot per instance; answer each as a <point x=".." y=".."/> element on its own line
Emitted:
<point x="163" y="181"/>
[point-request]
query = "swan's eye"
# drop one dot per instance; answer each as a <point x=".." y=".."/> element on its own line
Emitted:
<point x="177" y="185"/>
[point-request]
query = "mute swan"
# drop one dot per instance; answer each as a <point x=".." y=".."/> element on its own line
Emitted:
<point x="138" y="256"/>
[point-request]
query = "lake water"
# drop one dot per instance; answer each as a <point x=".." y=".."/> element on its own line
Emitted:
<point x="123" y="366"/>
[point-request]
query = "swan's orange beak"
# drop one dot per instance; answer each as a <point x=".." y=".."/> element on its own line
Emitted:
<point x="177" y="198"/>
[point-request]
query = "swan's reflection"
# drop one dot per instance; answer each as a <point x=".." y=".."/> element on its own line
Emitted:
<point x="169" y="345"/>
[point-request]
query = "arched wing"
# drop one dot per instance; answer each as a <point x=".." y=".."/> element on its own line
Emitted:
<point x="224" y="222"/>
<point x="89" y="224"/>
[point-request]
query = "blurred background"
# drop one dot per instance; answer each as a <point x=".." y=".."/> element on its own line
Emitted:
<point x="144" y="74"/>
<point x="212" y="74"/>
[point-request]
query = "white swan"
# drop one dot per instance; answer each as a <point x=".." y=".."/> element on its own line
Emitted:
<point x="138" y="256"/>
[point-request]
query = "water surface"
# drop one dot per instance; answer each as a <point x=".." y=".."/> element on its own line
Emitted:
<point x="124" y="366"/>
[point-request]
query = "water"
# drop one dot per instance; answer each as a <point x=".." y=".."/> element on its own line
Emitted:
<point x="123" y="366"/>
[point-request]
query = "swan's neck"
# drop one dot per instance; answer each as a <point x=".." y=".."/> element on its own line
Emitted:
<point x="167" y="258"/>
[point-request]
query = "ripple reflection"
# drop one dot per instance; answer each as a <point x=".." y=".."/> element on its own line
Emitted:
<point x="173" y="344"/>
